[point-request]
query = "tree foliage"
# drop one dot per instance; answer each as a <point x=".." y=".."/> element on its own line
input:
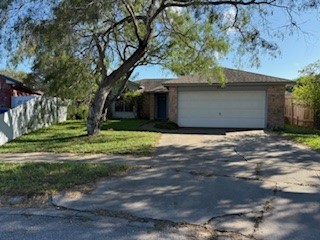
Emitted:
<point x="307" y="89"/>
<point x="65" y="76"/>
<point x="85" y="46"/>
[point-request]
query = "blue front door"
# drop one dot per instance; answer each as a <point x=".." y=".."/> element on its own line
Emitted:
<point x="162" y="106"/>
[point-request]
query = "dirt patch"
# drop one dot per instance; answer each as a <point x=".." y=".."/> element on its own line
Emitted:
<point x="31" y="201"/>
<point x="43" y="200"/>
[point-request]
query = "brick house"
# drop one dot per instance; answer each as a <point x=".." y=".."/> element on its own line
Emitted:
<point x="248" y="100"/>
<point x="12" y="90"/>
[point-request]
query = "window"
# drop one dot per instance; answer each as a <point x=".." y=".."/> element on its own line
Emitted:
<point x="119" y="106"/>
<point x="123" y="106"/>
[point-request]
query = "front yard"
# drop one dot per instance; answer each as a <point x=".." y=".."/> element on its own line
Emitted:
<point x="116" y="137"/>
<point x="308" y="137"/>
<point x="48" y="178"/>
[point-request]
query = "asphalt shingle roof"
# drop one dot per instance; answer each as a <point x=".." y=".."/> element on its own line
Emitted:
<point x="153" y="85"/>
<point x="233" y="77"/>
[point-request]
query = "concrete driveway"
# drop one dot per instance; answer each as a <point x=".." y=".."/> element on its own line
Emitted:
<point x="250" y="184"/>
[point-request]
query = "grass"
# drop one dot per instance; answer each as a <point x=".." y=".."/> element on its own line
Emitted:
<point x="116" y="137"/>
<point x="309" y="137"/>
<point x="41" y="178"/>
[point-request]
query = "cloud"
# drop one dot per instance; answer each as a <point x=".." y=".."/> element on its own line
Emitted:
<point x="229" y="15"/>
<point x="229" y="19"/>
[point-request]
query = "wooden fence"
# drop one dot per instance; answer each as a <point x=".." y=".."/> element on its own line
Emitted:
<point x="298" y="114"/>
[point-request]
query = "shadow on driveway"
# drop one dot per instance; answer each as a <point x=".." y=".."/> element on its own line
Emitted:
<point x="246" y="182"/>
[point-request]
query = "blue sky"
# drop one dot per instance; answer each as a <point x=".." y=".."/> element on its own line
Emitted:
<point x="297" y="51"/>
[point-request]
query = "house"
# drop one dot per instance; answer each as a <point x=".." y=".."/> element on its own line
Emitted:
<point x="155" y="99"/>
<point x="248" y="100"/>
<point x="13" y="93"/>
<point x="126" y="109"/>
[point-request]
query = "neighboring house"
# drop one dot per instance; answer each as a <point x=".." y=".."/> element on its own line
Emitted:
<point x="248" y="100"/>
<point x="14" y="93"/>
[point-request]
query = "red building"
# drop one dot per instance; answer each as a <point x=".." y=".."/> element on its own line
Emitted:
<point x="10" y="88"/>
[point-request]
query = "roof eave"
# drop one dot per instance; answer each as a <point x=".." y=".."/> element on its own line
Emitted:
<point x="227" y="84"/>
<point x="23" y="88"/>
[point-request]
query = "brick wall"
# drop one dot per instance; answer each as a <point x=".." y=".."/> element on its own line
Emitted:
<point x="173" y="104"/>
<point x="5" y="94"/>
<point x="144" y="108"/>
<point x="152" y="106"/>
<point x="276" y="107"/>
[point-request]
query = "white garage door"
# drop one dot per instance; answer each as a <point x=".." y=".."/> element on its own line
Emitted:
<point x="222" y="109"/>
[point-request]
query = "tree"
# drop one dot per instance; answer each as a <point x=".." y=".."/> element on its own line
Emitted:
<point x="63" y="75"/>
<point x="307" y="89"/>
<point x="114" y="37"/>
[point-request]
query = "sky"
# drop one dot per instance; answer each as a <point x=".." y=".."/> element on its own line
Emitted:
<point x="297" y="51"/>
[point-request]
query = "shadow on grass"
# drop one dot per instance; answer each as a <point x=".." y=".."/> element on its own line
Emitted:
<point x="124" y="124"/>
<point x="291" y="129"/>
<point x="54" y="139"/>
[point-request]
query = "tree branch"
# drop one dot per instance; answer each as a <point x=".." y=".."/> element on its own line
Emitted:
<point x="130" y="9"/>
<point x="101" y="53"/>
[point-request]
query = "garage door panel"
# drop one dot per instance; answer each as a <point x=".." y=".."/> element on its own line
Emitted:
<point x="222" y="107"/>
<point x="232" y="123"/>
<point x="245" y="112"/>
<point x="221" y="96"/>
<point x="223" y="116"/>
<point x="225" y="103"/>
<point x="238" y="109"/>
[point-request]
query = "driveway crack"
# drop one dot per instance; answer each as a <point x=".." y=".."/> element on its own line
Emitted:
<point x="239" y="154"/>
<point x="234" y="235"/>
<point x="232" y="215"/>
<point x="212" y="174"/>
<point x="267" y="207"/>
<point x="158" y="223"/>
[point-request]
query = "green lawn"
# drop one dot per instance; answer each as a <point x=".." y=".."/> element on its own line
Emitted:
<point x="302" y="135"/>
<point x="40" y="178"/>
<point x="116" y="137"/>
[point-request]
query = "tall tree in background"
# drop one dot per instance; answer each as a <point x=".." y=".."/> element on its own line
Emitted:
<point x="107" y="39"/>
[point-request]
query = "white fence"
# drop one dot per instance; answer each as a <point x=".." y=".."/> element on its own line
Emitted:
<point x="36" y="113"/>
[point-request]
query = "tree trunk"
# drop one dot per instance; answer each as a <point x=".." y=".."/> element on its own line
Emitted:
<point x="95" y="112"/>
<point x="95" y="117"/>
